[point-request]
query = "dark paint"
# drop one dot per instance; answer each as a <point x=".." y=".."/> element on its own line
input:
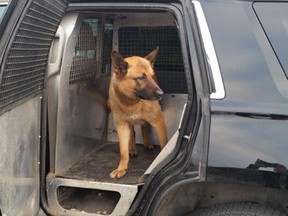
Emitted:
<point x="250" y="123"/>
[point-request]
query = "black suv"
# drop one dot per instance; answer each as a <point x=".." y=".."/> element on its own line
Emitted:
<point x="223" y="67"/>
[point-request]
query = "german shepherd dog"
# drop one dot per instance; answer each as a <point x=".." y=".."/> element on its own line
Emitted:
<point x="133" y="99"/>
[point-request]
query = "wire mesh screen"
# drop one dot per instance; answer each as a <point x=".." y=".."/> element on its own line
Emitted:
<point x="107" y="48"/>
<point x="23" y="70"/>
<point x="169" y="65"/>
<point x="92" y="52"/>
<point x="84" y="65"/>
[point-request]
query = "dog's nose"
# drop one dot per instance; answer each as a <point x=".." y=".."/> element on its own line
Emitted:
<point x="158" y="93"/>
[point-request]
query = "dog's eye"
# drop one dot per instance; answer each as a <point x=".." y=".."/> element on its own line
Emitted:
<point x="141" y="78"/>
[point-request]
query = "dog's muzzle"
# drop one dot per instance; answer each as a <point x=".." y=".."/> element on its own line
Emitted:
<point x="158" y="94"/>
<point x="154" y="94"/>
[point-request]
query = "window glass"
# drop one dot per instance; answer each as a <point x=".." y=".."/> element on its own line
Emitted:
<point x="276" y="28"/>
<point x="2" y="9"/>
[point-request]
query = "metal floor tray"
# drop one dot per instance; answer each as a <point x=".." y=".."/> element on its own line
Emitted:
<point x="85" y="187"/>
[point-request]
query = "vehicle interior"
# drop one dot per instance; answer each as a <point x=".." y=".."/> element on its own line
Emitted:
<point x="83" y="142"/>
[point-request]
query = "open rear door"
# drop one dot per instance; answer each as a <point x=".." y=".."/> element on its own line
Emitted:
<point x="27" y="30"/>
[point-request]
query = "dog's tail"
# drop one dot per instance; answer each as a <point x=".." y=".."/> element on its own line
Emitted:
<point x="100" y="98"/>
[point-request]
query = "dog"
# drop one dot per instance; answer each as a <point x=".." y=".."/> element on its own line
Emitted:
<point x="134" y="99"/>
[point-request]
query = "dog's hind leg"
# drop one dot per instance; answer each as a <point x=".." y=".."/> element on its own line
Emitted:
<point x="161" y="131"/>
<point x="132" y="145"/>
<point x="145" y="135"/>
<point x="123" y="131"/>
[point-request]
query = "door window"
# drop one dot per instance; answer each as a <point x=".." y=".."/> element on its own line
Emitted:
<point x="276" y="28"/>
<point x="2" y="10"/>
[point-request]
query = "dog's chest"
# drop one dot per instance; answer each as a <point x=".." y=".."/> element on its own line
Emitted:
<point x="135" y="114"/>
<point x="132" y="118"/>
<point x="136" y="118"/>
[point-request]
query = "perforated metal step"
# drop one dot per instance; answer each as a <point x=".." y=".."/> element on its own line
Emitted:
<point x="85" y="187"/>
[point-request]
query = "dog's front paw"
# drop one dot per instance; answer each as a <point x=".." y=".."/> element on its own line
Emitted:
<point x="117" y="173"/>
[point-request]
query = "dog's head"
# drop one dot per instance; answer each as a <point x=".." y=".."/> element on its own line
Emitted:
<point x="135" y="76"/>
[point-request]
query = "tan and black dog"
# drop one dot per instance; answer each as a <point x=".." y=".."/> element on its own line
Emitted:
<point x="133" y="99"/>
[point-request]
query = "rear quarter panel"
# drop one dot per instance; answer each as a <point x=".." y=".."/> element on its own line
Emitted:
<point x="250" y="123"/>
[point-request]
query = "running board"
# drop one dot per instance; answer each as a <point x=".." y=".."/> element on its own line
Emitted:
<point x="105" y="198"/>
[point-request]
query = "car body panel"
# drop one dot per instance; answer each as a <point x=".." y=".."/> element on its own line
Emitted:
<point x="19" y="159"/>
<point x="250" y="123"/>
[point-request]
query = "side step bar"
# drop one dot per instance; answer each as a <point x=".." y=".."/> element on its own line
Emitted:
<point x="127" y="194"/>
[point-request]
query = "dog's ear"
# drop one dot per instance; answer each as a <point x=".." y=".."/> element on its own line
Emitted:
<point x="119" y="65"/>
<point x="152" y="56"/>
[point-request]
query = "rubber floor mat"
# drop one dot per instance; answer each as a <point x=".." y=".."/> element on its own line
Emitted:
<point x="97" y="165"/>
